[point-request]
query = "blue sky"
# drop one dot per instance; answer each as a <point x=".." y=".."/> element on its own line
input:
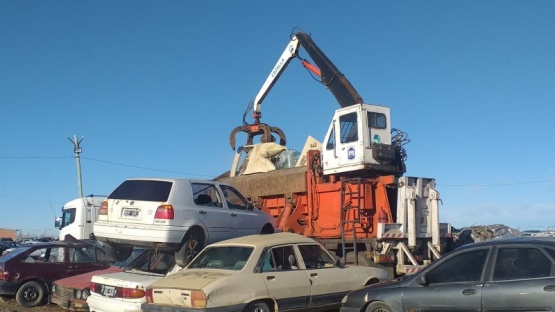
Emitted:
<point x="155" y="88"/>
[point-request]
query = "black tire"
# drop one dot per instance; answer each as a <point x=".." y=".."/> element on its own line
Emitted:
<point x="193" y="242"/>
<point x="257" y="306"/>
<point x="267" y="229"/>
<point x="378" y="307"/>
<point x="117" y="252"/>
<point x="30" y="294"/>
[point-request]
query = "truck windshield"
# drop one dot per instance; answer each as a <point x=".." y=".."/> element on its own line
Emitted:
<point x="68" y="217"/>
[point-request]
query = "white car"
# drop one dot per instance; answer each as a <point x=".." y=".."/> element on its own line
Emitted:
<point x="260" y="273"/>
<point x="180" y="215"/>
<point x="125" y="291"/>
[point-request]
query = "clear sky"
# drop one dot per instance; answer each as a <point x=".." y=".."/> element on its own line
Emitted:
<point x="155" y="87"/>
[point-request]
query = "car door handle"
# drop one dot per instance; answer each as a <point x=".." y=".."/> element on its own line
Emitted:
<point x="270" y="277"/>
<point x="468" y="292"/>
<point x="313" y="274"/>
<point x="202" y="212"/>
<point x="233" y="214"/>
<point x="549" y="288"/>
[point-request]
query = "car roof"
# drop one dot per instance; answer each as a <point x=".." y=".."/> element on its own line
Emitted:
<point x="530" y="240"/>
<point x="263" y="240"/>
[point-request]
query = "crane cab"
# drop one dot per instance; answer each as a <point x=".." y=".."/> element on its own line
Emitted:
<point x="359" y="140"/>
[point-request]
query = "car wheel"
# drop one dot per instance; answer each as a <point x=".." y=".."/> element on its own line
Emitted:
<point x="30" y="294"/>
<point x="117" y="252"/>
<point x="257" y="306"/>
<point x="378" y="307"/>
<point x="192" y="245"/>
<point x="267" y="229"/>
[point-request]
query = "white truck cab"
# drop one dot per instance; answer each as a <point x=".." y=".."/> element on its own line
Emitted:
<point x="78" y="217"/>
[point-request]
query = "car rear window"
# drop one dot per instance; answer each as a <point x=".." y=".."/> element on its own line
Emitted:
<point x="146" y="190"/>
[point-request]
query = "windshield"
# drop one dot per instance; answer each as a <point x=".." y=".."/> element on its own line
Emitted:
<point x="68" y="217"/>
<point x="151" y="262"/>
<point x="222" y="257"/>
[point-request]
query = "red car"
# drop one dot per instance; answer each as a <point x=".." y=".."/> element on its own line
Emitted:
<point x="28" y="271"/>
<point x="71" y="293"/>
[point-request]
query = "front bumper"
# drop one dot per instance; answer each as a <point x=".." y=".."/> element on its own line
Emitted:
<point x="349" y="309"/>
<point x="152" y="307"/>
<point x="69" y="304"/>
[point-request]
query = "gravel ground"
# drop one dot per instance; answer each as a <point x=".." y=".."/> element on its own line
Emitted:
<point x="12" y="306"/>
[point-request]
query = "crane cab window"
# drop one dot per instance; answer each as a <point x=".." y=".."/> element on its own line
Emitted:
<point x="376" y="120"/>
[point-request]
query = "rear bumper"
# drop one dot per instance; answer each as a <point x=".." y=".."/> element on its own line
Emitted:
<point x="139" y="235"/>
<point x="152" y="307"/>
<point x="8" y="289"/>
<point x="98" y="303"/>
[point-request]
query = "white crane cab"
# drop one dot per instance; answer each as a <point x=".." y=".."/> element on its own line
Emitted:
<point x="359" y="138"/>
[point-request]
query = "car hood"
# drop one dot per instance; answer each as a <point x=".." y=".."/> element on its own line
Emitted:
<point x="82" y="281"/>
<point x="126" y="279"/>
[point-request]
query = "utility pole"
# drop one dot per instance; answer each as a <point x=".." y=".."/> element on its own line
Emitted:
<point x="77" y="150"/>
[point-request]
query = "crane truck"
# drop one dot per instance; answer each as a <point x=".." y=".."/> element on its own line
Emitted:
<point x="349" y="192"/>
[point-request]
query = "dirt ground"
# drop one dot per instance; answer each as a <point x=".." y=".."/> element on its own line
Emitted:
<point x="12" y="306"/>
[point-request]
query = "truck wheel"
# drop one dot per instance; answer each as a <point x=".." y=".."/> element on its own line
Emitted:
<point x="257" y="306"/>
<point x="191" y="246"/>
<point x="377" y="306"/>
<point x="30" y="294"/>
<point x="117" y="252"/>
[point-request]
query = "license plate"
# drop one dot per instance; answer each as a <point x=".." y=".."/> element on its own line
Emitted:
<point x="130" y="213"/>
<point x="108" y="291"/>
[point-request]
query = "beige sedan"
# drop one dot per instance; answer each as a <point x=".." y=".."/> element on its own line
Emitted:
<point x="260" y="273"/>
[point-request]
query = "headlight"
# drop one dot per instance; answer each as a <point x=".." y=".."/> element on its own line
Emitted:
<point x="344" y="300"/>
<point x="77" y="294"/>
<point x="85" y="294"/>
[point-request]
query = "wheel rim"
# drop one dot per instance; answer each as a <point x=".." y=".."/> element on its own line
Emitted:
<point x="30" y="294"/>
<point x="191" y="249"/>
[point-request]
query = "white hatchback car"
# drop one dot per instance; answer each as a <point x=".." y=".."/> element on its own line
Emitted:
<point x="125" y="291"/>
<point x="260" y="273"/>
<point x="180" y="215"/>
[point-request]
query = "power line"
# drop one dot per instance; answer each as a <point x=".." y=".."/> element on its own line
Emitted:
<point x="500" y="184"/>
<point x="145" y="168"/>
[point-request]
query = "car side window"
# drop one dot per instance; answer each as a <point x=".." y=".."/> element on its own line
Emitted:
<point x="315" y="257"/>
<point x="234" y="199"/>
<point x="82" y="254"/>
<point x="521" y="263"/>
<point x="46" y="255"/>
<point x="463" y="267"/>
<point x="206" y="195"/>
<point x="280" y="259"/>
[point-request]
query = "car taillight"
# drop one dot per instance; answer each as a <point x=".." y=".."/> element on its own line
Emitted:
<point x="129" y="293"/>
<point x="4" y="276"/>
<point x="94" y="287"/>
<point x="103" y="210"/>
<point x="198" y="299"/>
<point x="164" y="212"/>
<point x="149" y="295"/>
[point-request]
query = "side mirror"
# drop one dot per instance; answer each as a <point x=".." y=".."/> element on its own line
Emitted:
<point x="422" y="280"/>
<point x="58" y="222"/>
<point x="339" y="264"/>
<point x="250" y="206"/>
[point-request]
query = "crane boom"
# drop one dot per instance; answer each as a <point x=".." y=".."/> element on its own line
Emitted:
<point x="329" y="75"/>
